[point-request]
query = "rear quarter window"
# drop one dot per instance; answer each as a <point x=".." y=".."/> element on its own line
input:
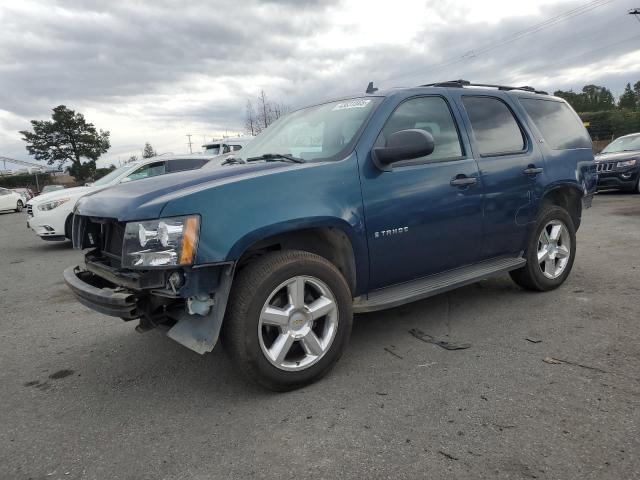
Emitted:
<point x="558" y="123"/>
<point x="185" y="164"/>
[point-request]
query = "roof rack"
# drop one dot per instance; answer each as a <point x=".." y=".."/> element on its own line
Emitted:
<point x="466" y="83"/>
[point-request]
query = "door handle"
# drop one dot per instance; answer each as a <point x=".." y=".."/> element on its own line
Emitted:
<point x="532" y="170"/>
<point x="462" y="181"/>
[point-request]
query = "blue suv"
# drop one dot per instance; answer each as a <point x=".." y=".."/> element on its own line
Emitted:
<point x="353" y="205"/>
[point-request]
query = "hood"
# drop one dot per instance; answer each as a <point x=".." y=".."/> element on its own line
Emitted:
<point x="145" y="199"/>
<point x="74" y="192"/>
<point x="617" y="156"/>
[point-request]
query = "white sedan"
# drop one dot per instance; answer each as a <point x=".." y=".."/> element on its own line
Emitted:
<point x="50" y="215"/>
<point x="10" y="200"/>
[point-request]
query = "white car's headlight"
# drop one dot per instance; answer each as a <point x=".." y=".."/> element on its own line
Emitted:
<point x="162" y="242"/>
<point x="628" y="163"/>
<point x="52" y="204"/>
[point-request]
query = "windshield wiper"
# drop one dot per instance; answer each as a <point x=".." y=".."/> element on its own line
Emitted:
<point x="276" y="157"/>
<point x="232" y="161"/>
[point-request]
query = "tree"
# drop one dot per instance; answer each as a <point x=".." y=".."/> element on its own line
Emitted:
<point x="264" y="114"/>
<point x="67" y="137"/>
<point x="132" y="158"/>
<point x="148" y="151"/>
<point x="597" y="98"/>
<point x="250" y="121"/>
<point x="628" y="98"/>
<point x="636" y="90"/>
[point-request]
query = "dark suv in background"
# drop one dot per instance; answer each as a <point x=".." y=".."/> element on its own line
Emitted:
<point x="353" y="205"/>
<point x="619" y="164"/>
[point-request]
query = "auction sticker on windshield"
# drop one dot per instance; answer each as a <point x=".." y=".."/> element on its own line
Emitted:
<point x="358" y="103"/>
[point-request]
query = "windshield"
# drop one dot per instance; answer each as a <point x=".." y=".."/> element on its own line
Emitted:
<point x="623" y="144"/>
<point x="318" y="133"/>
<point x="109" y="177"/>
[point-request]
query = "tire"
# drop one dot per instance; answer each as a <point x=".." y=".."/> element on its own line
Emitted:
<point x="19" y="206"/>
<point x="271" y="282"/>
<point x="554" y="270"/>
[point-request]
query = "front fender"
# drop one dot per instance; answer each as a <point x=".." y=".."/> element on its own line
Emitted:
<point x="237" y="214"/>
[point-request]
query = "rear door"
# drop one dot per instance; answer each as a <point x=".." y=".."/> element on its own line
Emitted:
<point x="424" y="216"/>
<point x="510" y="169"/>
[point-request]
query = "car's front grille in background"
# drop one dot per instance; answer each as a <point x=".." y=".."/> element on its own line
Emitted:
<point x="605" y="167"/>
<point x="29" y="209"/>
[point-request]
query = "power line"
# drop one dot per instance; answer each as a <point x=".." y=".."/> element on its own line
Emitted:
<point x="550" y="22"/>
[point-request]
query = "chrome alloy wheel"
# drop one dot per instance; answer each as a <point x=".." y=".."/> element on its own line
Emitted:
<point x="554" y="249"/>
<point x="298" y="323"/>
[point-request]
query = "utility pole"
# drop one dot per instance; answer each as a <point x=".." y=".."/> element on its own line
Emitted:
<point x="190" y="143"/>
<point x="635" y="12"/>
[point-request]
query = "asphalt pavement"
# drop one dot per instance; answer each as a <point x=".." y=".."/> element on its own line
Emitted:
<point x="85" y="396"/>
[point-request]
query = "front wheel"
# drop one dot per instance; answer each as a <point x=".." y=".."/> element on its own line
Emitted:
<point x="288" y="320"/>
<point x="550" y="251"/>
<point x="19" y="206"/>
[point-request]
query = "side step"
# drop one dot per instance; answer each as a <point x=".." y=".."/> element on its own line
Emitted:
<point x="396" y="295"/>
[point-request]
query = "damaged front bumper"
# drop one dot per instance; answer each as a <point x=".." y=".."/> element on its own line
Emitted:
<point x="192" y="313"/>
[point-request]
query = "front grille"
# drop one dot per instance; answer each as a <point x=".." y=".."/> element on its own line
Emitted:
<point x="113" y="239"/>
<point x="605" y="167"/>
<point x="29" y="209"/>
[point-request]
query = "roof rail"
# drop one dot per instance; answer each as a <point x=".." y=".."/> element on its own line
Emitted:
<point x="465" y="83"/>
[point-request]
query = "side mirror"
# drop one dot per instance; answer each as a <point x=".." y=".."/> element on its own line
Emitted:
<point x="403" y="145"/>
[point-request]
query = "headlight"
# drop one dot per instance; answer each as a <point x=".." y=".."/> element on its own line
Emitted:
<point x="162" y="242"/>
<point x="628" y="163"/>
<point x="52" y="204"/>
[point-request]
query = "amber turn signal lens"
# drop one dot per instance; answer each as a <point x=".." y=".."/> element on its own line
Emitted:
<point x="189" y="241"/>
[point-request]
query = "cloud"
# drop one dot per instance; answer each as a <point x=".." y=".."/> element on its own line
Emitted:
<point x="157" y="70"/>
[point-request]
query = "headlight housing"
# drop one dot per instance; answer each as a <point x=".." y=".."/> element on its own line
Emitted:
<point x="160" y="243"/>
<point x="627" y="163"/>
<point x="43" y="207"/>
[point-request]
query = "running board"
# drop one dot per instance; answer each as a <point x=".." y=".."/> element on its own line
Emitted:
<point x="396" y="295"/>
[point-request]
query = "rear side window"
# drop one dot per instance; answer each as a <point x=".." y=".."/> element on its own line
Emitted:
<point x="559" y="126"/>
<point x="432" y="115"/>
<point x="149" y="170"/>
<point x="185" y="164"/>
<point x="494" y="127"/>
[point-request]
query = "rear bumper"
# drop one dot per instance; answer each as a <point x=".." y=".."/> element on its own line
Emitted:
<point x="95" y="293"/>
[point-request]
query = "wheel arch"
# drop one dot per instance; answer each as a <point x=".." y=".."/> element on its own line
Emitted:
<point x="332" y="239"/>
<point x="568" y="196"/>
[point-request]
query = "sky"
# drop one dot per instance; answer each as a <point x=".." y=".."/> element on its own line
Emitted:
<point x="155" y="71"/>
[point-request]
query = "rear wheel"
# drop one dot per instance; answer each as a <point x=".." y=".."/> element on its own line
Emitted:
<point x="550" y="251"/>
<point x="289" y="319"/>
<point x="19" y="206"/>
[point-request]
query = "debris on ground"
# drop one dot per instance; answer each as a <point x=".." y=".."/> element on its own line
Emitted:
<point x="447" y="455"/>
<point x="392" y="352"/>
<point x="557" y="361"/>
<point x="425" y="337"/>
<point x="552" y="361"/>
<point x="533" y="339"/>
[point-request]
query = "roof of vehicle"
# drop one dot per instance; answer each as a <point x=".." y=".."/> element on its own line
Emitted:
<point x="243" y="139"/>
<point x="630" y="135"/>
<point x="441" y="87"/>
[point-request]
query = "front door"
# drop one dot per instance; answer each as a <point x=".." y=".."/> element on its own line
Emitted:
<point x="5" y="199"/>
<point x="424" y="216"/>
